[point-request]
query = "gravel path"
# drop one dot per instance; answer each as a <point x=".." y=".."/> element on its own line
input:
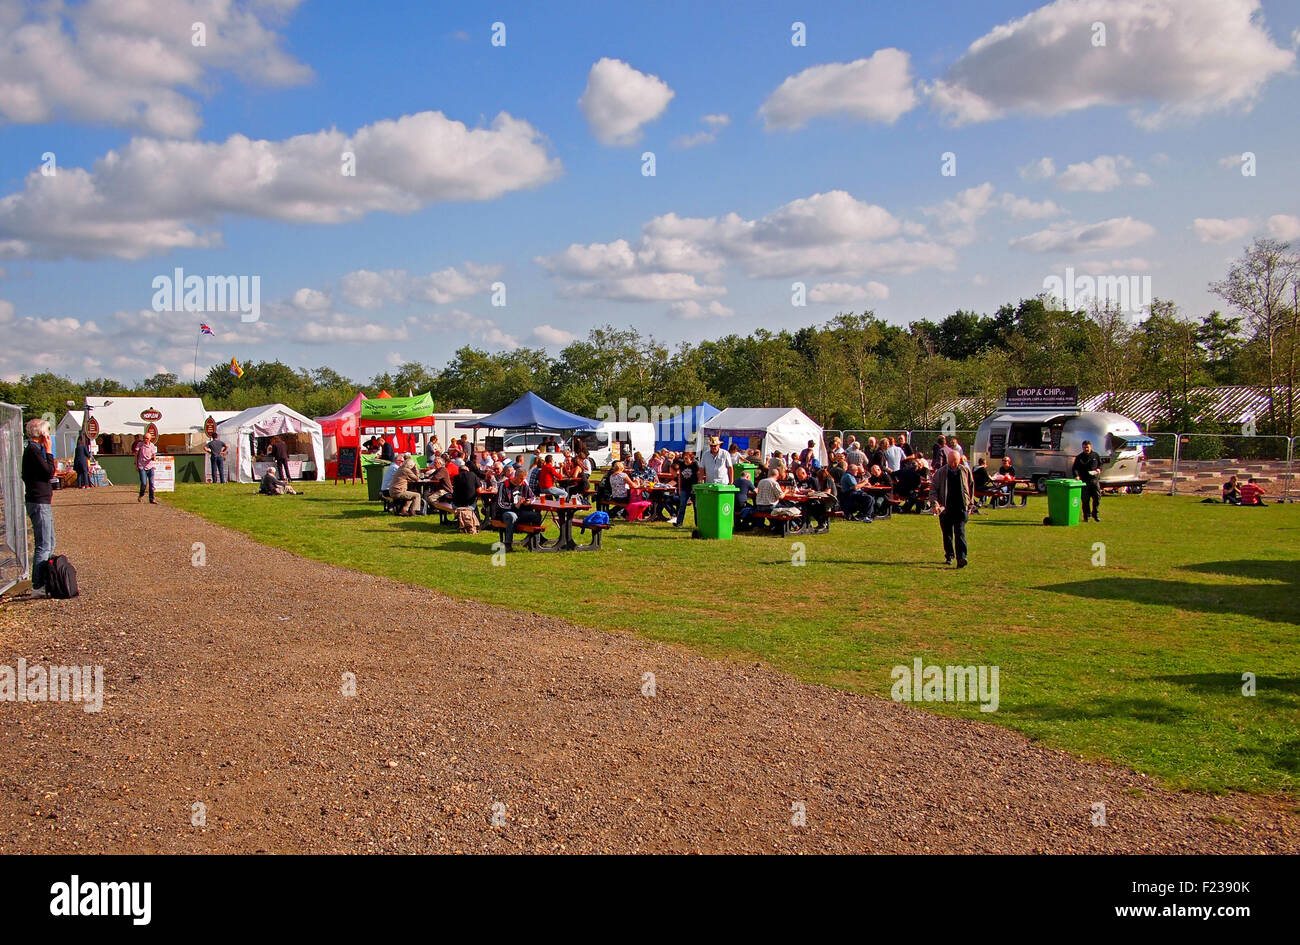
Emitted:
<point x="223" y="687"/>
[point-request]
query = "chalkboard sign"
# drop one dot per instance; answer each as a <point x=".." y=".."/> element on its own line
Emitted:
<point x="347" y="463"/>
<point x="494" y="444"/>
<point x="997" y="445"/>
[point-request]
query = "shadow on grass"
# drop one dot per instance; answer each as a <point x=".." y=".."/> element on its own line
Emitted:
<point x="1274" y="601"/>
<point x="1284" y="756"/>
<point x="1140" y="709"/>
<point x="1229" y="684"/>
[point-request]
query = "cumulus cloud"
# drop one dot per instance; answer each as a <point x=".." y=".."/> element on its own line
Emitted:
<point x="958" y="215"/>
<point x="1082" y="237"/>
<point x="550" y="335"/>
<point x="366" y="288"/>
<point x="1042" y="169"/>
<point x="310" y="300"/>
<point x="1102" y="173"/>
<point x="715" y="124"/>
<point x="619" y="100"/>
<point x="879" y="88"/>
<point x="844" y="292"/>
<point x="132" y="63"/>
<point x="1284" y="227"/>
<point x="693" y="311"/>
<point x="1099" y="267"/>
<point x="1164" y="59"/>
<point x="1212" y="230"/>
<point x="1022" y="208"/>
<point x="678" y="259"/>
<point x="153" y="195"/>
<point x="338" y="328"/>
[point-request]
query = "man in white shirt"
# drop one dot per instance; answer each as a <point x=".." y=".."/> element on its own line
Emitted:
<point x="716" y="465"/>
<point x="894" y="457"/>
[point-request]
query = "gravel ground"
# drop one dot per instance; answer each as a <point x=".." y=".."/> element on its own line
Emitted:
<point x="223" y="687"/>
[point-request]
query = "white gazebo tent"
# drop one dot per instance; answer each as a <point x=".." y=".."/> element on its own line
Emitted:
<point x="179" y="420"/>
<point x="66" y="433"/>
<point x="268" y="420"/>
<point x="787" y="429"/>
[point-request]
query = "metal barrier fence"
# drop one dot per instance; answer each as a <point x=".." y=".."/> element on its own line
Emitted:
<point x="1231" y="452"/>
<point x="14" y="557"/>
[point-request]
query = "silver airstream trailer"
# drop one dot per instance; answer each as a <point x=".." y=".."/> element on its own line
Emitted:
<point x="1042" y="443"/>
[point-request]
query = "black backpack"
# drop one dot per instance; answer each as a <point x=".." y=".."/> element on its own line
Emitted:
<point x="61" y="578"/>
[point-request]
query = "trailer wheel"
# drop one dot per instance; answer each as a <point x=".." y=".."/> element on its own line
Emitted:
<point x="1040" y="484"/>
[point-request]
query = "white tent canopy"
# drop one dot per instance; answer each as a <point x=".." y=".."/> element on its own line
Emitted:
<point x="66" y="433"/>
<point x="787" y="429"/>
<point x="121" y="415"/>
<point x="267" y="420"/>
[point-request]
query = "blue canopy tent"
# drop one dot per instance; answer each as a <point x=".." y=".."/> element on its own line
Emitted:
<point x="533" y="414"/>
<point x="678" y="433"/>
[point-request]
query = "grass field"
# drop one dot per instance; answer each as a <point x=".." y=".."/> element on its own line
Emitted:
<point x="1138" y="660"/>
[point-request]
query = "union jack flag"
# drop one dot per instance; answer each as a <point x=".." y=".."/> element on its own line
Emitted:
<point x="206" y="329"/>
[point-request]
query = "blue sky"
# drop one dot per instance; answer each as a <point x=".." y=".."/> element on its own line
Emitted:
<point x="774" y="164"/>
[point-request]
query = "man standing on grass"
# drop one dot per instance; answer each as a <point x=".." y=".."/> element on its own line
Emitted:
<point x="953" y="488"/>
<point x="1087" y="466"/>
<point x="715" y="464"/>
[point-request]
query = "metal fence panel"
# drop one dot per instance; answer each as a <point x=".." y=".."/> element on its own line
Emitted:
<point x="1204" y="459"/>
<point x="14" y="558"/>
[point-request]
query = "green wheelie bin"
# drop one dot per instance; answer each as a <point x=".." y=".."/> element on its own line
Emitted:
<point x="375" y="480"/>
<point x="750" y="468"/>
<point x="715" y="510"/>
<point x="1064" y="501"/>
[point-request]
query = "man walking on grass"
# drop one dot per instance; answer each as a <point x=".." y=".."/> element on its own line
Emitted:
<point x="953" y="488"/>
<point x="1087" y="466"/>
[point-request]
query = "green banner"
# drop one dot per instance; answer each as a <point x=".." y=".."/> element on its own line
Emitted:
<point x="396" y="409"/>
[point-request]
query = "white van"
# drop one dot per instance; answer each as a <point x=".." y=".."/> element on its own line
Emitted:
<point x="632" y="438"/>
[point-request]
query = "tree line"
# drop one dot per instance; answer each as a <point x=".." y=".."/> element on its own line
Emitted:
<point x="856" y="371"/>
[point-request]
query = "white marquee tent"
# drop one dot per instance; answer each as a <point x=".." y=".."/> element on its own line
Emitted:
<point x="787" y="429"/>
<point x="267" y="420"/>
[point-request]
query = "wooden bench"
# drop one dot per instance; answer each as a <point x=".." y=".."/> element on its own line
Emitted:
<point x="789" y="524"/>
<point x="596" y="531"/>
<point x="533" y="534"/>
<point x="997" y="497"/>
<point x="612" y="506"/>
<point x="446" y="511"/>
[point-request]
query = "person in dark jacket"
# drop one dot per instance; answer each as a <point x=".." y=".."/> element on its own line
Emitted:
<point x="280" y="453"/>
<point x="512" y="496"/>
<point x="952" y="489"/>
<point x="37" y="471"/>
<point x="81" y="461"/>
<point x="1087" y="466"/>
<point x="464" y="487"/>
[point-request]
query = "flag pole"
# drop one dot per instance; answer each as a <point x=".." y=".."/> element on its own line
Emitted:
<point x="198" y="338"/>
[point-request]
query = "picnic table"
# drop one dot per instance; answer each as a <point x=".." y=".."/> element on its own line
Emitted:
<point x="563" y="513"/>
<point x="657" y="494"/>
<point x="1004" y="488"/>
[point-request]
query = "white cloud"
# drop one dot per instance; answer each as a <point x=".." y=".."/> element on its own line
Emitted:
<point x="646" y="287"/>
<point x="1022" y="208"/>
<point x="958" y="215"/>
<point x="1231" y="162"/>
<point x="1042" y="169"/>
<point x="552" y="336"/>
<point x="878" y="88"/>
<point x="481" y="330"/>
<point x="1099" y="268"/>
<point x="1165" y="59"/>
<point x="1211" y="230"/>
<point x="6" y="312"/>
<point x="310" y="300"/>
<point x="693" y="311"/>
<point x="1104" y="172"/>
<point x="715" y="122"/>
<point x="366" y="288"/>
<point x="618" y="100"/>
<point x="1083" y="237"/>
<point x="844" y="292"/>
<point x="1284" y="227"/>
<point x="132" y="63"/>
<point x="153" y="196"/>
<point x="347" y="329"/>
<point x="826" y="233"/>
